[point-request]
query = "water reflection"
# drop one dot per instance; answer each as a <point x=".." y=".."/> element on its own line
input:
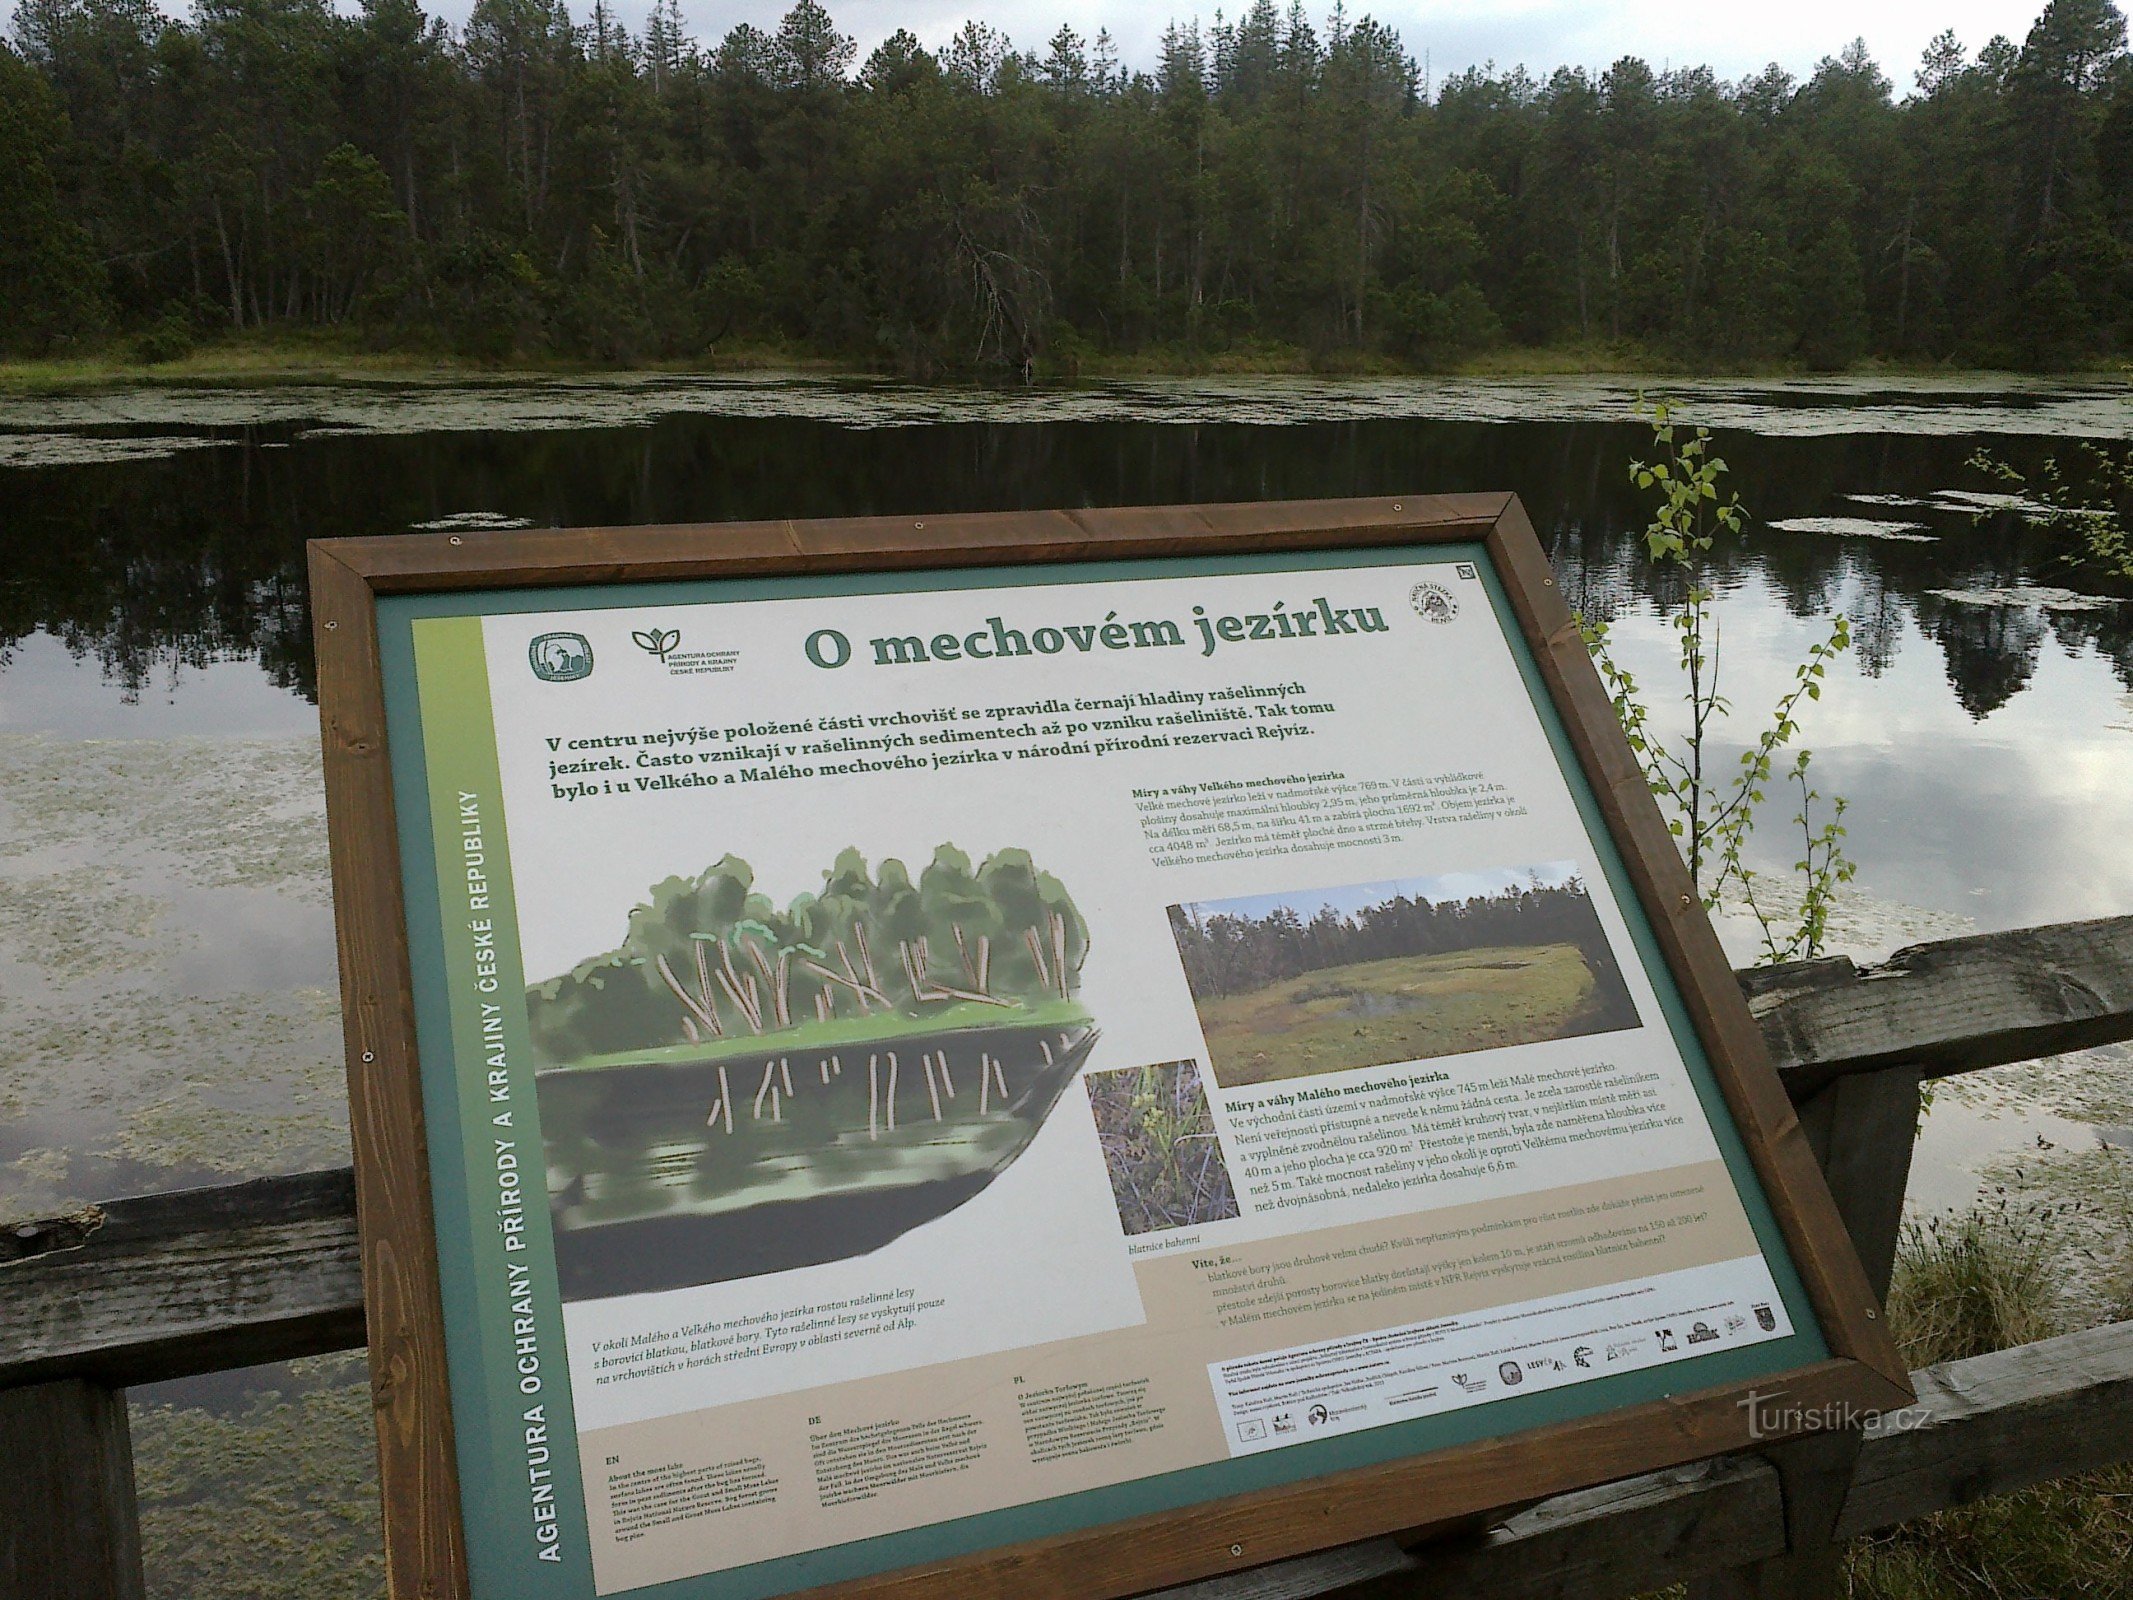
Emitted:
<point x="161" y="568"/>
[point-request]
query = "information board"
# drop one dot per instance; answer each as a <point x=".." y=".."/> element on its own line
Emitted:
<point x="1125" y="1063"/>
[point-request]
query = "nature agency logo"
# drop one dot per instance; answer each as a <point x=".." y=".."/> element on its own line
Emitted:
<point x="657" y="642"/>
<point x="560" y="657"/>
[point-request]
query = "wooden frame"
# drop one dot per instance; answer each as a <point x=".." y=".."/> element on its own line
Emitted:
<point x="425" y="1547"/>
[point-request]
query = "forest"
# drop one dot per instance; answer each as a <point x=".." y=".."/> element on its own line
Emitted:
<point x="1225" y="953"/>
<point x="1273" y="189"/>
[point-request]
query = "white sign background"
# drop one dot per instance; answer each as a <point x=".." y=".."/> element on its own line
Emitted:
<point x="1039" y="1255"/>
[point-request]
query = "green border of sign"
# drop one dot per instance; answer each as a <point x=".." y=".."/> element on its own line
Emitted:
<point x="444" y="745"/>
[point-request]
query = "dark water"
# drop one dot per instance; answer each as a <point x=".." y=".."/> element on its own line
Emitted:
<point x="159" y="568"/>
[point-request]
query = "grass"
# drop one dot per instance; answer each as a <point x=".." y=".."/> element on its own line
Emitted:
<point x="1974" y="1282"/>
<point x="1406" y="1008"/>
<point x="1985" y="1280"/>
<point x="320" y="356"/>
<point x="255" y="358"/>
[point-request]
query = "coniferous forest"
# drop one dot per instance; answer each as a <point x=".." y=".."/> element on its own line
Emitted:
<point x="1224" y="953"/>
<point x="1275" y="188"/>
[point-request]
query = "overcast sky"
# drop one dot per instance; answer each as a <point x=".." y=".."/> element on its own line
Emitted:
<point x="1732" y="39"/>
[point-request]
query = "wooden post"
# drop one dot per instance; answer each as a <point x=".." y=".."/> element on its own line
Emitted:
<point x="1862" y="1128"/>
<point x="71" y="1529"/>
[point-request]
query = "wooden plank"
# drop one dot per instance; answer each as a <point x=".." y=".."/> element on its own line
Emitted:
<point x="425" y="1552"/>
<point x="199" y="1281"/>
<point x="1863" y="1129"/>
<point x="1954" y="1005"/>
<point x="70" y="1528"/>
<point x="403" y="563"/>
<point x="1350" y="1570"/>
<point x="1997" y="1423"/>
<point x="1980" y="1427"/>
<point x="1621" y="1539"/>
<point x="1812" y="1475"/>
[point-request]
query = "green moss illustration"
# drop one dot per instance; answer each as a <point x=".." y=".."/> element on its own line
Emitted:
<point x="712" y="967"/>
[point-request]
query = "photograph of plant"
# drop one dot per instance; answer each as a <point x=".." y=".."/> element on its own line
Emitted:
<point x="1329" y="980"/>
<point x="1160" y="1148"/>
<point x="740" y="1088"/>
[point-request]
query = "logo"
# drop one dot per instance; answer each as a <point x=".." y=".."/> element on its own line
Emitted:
<point x="1702" y="1333"/>
<point x="1465" y="569"/>
<point x="1469" y="1385"/>
<point x="1433" y="602"/>
<point x="1735" y="1324"/>
<point x="560" y="657"/>
<point x="1316" y="1416"/>
<point x="1510" y="1374"/>
<point x="1582" y="1355"/>
<point x="1250" y="1430"/>
<point x="1666" y="1339"/>
<point x="1284" y="1423"/>
<point x="1766" y="1319"/>
<point x="653" y="642"/>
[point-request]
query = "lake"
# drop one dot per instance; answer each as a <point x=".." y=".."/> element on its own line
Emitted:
<point x="167" y="1009"/>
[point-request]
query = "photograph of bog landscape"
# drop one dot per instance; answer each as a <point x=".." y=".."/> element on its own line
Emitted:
<point x="1330" y="980"/>
<point x="741" y="1087"/>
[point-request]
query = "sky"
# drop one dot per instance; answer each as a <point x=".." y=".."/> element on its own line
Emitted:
<point x="1733" y="40"/>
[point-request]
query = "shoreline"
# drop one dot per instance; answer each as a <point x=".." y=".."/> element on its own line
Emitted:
<point x="265" y="363"/>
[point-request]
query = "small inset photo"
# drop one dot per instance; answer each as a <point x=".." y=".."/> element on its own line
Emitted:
<point x="1159" y="1145"/>
<point x="1329" y="980"/>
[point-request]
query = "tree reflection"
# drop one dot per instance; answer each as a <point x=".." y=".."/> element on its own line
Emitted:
<point x="157" y="567"/>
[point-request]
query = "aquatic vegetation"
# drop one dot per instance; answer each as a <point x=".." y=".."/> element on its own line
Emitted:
<point x="2028" y="596"/>
<point x="1862" y="925"/>
<point x="43" y="923"/>
<point x="473" y="522"/>
<point x="2084" y="491"/>
<point x="238" y="813"/>
<point x="1855" y="527"/>
<point x="275" y="1498"/>
<point x="73" y="429"/>
<point x="143" y="1046"/>
<point x="1160" y="1150"/>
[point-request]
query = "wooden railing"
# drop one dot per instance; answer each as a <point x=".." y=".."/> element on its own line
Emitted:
<point x="206" y="1280"/>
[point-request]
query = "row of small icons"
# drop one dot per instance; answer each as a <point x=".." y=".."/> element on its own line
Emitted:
<point x="1512" y="1374"/>
<point x="1284" y="1422"/>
